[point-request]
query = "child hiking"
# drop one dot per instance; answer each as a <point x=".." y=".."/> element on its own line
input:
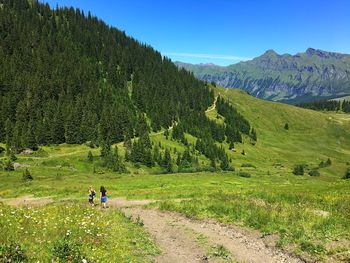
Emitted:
<point x="92" y="194"/>
<point x="103" y="197"/>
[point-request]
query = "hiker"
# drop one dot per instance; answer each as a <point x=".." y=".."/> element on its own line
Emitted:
<point x="103" y="196"/>
<point x="92" y="194"/>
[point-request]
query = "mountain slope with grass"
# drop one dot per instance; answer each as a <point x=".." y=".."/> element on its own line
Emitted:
<point x="311" y="75"/>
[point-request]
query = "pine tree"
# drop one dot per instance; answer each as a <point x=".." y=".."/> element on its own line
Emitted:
<point x="8" y="131"/>
<point x="90" y="157"/>
<point x="213" y="163"/>
<point x="30" y="136"/>
<point x="224" y="165"/>
<point x="167" y="163"/>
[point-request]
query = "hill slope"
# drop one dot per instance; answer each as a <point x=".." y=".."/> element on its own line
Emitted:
<point x="312" y="136"/>
<point x="290" y="78"/>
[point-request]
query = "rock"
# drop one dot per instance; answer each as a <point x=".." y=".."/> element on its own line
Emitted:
<point x="18" y="166"/>
<point x="27" y="152"/>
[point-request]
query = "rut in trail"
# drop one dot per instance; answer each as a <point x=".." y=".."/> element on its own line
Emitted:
<point x="183" y="240"/>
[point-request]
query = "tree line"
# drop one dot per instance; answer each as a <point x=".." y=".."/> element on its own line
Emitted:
<point x="327" y="105"/>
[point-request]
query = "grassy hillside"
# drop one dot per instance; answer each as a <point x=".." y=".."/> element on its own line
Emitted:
<point x="308" y="215"/>
<point x="312" y="136"/>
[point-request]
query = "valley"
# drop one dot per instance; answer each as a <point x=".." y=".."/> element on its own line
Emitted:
<point x="110" y="152"/>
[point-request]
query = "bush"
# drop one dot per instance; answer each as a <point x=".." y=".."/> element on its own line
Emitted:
<point x="324" y="164"/>
<point x="90" y="157"/>
<point x="12" y="253"/>
<point x="13" y="156"/>
<point x="248" y="165"/>
<point x="314" y="172"/>
<point x="2" y="149"/>
<point x="347" y="174"/>
<point x="9" y="166"/>
<point x="27" y="176"/>
<point x="298" y="169"/>
<point x="244" y="174"/>
<point x="65" y="248"/>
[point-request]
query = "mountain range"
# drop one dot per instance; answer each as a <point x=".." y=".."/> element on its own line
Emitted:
<point x="312" y="75"/>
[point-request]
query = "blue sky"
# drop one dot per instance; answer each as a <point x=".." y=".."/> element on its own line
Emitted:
<point x="226" y="31"/>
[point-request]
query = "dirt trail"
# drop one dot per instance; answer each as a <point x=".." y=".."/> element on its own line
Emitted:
<point x="185" y="240"/>
<point x="213" y="107"/>
<point x="27" y="200"/>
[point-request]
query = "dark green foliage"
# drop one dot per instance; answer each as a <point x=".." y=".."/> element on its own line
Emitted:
<point x="298" y="169"/>
<point x="67" y="250"/>
<point x="12" y="253"/>
<point x="225" y="165"/>
<point x="248" y="165"/>
<point x="113" y="161"/>
<point x="9" y="166"/>
<point x="186" y="156"/>
<point x="166" y="134"/>
<point x="167" y="162"/>
<point x="243" y="152"/>
<point x="178" y="134"/>
<point x="13" y="156"/>
<point x="2" y="149"/>
<point x="347" y="173"/>
<point x="140" y="153"/>
<point x="66" y="75"/>
<point x="323" y="105"/>
<point x="346" y="106"/>
<point x="213" y="163"/>
<point x="27" y="176"/>
<point x="90" y="157"/>
<point x="208" y="148"/>
<point x="314" y="172"/>
<point x="326" y="163"/>
<point x="253" y="134"/>
<point x="286" y="126"/>
<point x="234" y="120"/>
<point x="232" y="145"/>
<point x="244" y="174"/>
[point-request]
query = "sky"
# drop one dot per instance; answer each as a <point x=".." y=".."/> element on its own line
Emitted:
<point x="225" y="32"/>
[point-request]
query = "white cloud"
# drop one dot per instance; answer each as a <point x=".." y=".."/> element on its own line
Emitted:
<point x="210" y="56"/>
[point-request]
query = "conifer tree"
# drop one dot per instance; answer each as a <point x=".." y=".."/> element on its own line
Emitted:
<point x="90" y="157"/>
<point x="30" y="136"/>
<point x="167" y="163"/>
<point x="8" y="131"/>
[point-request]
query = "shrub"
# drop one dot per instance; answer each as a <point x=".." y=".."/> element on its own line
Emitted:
<point x="90" y="157"/>
<point x="314" y="172"/>
<point x="27" y="176"/>
<point x="325" y="163"/>
<point x="65" y="248"/>
<point x="286" y="126"/>
<point x="347" y="174"/>
<point x="248" y="165"/>
<point x="2" y="149"/>
<point x="298" y="169"/>
<point x="9" y="166"/>
<point x="244" y="174"/>
<point x="12" y="253"/>
<point x="13" y="156"/>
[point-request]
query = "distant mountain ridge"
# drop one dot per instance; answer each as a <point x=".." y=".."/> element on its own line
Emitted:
<point x="313" y="74"/>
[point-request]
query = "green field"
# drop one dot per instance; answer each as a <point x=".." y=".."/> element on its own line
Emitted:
<point x="310" y="214"/>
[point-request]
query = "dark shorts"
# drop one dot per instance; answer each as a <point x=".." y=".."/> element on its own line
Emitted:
<point x="103" y="199"/>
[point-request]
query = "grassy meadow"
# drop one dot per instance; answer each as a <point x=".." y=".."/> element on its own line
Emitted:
<point x="308" y="214"/>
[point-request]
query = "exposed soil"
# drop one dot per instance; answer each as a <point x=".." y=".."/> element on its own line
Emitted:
<point x="27" y="201"/>
<point x="183" y="239"/>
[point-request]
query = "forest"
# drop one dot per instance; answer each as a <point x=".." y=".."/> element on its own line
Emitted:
<point x="71" y="78"/>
